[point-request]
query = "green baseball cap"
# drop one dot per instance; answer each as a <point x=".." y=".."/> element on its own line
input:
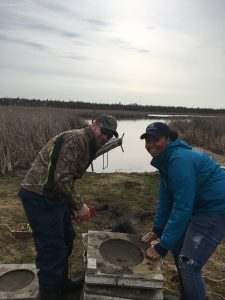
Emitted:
<point x="108" y="122"/>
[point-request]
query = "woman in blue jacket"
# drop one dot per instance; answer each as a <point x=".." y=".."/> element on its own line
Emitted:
<point x="190" y="217"/>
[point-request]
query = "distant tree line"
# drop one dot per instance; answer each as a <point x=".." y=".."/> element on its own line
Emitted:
<point x="154" y="109"/>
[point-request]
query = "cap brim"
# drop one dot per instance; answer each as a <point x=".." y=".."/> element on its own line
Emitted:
<point x="154" y="135"/>
<point x="115" y="133"/>
<point x="143" y="136"/>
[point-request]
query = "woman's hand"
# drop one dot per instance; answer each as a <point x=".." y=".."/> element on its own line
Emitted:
<point x="152" y="253"/>
<point x="149" y="237"/>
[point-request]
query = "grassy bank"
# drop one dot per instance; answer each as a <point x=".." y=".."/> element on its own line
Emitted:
<point x="121" y="195"/>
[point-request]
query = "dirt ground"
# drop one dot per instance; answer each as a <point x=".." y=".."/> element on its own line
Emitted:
<point x="115" y="196"/>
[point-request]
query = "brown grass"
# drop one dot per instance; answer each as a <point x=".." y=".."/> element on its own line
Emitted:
<point x="24" y="131"/>
<point x="204" y="132"/>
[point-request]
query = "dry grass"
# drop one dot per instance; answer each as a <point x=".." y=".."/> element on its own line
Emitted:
<point x="207" y="133"/>
<point x="24" y="131"/>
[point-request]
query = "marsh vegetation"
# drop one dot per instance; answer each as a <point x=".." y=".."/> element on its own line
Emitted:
<point x="205" y="132"/>
<point x="25" y="130"/>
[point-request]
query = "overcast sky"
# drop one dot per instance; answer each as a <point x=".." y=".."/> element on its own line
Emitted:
<point x="150" y="52"/>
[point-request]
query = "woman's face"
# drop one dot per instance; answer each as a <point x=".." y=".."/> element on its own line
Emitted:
<point x="155" y="146"/>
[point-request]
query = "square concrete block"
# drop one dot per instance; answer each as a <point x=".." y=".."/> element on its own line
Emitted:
<point x="18" y="281"/>
<point x="119" y="259"/>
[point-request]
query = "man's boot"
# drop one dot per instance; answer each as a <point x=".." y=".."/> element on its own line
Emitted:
<point x="49" y="295"/>
<point x="69" y="285"/>
<point x="73" y="285"/>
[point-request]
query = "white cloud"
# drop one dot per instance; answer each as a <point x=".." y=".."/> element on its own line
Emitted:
<point x="155" y="52"/>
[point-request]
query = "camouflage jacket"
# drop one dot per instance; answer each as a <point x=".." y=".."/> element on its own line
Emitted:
<point x="61" y="161"/>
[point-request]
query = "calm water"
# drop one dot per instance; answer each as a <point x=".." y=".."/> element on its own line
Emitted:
<point x="134" y="158"/>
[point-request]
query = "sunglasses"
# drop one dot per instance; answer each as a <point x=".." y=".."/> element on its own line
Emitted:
<point x="107" y="132"/>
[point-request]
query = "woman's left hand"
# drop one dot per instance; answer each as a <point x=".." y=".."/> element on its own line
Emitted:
<point x="152" y="253"/>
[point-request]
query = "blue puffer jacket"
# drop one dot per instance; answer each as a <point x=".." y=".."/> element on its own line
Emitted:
<point x="190" y="183"/>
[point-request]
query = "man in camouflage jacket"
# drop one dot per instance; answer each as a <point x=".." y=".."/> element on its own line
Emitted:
<point x="49" y="198"/>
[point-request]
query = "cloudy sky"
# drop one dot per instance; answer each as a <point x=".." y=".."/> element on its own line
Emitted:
<point x="150" y="52"/>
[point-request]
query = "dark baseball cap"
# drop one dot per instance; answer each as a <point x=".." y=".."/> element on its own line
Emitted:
<point x="107" y="122"/>
<point x="156" y="130"/>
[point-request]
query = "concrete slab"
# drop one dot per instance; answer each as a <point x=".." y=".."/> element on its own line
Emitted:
<point x="100" y="297"/>
<point x="120" y="292"/>
<point x="18" y="281"/>
<point x="101" y="279"/>
<point x="115" y="266"/>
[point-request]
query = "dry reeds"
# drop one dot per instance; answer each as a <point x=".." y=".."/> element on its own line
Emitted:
<point x="25" y="130"/>
<point x="204" y="132"/>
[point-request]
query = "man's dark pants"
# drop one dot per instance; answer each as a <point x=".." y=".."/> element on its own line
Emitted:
<point x="53" y="234"/>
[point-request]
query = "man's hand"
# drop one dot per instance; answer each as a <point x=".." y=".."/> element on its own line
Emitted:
<point x="83" y="213"/>
<point x="152" y="253"/>
<point x="149" y="237"/>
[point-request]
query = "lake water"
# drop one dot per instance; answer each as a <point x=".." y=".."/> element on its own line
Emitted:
<point x="135" y="158"/>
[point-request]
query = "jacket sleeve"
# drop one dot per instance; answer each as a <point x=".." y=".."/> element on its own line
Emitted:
<point x="72" y="196"/>
<point x="163" y="208"/>
<point x="70" y="159"/>
<point x="182" y="184"/>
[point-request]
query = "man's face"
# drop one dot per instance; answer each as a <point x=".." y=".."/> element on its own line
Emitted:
<point x="102" y="136"/>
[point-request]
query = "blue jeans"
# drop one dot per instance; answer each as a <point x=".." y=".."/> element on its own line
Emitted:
<point x="193" y="250"/>
<point x="53" y="234"/>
